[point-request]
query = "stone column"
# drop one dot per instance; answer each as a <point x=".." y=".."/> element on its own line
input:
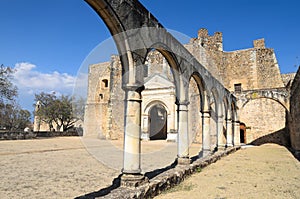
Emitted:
<point x="236" y="139"/>
<point x="131" y="172"/>
<point x="229" y="132"/>
<point x="183" y="133"/>
<point x="221" y="144"/>
<point x="145" y="126"/>
<point x="205" y="134"/>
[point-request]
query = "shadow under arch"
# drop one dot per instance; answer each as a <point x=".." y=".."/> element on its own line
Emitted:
<point x="280" y="137"/>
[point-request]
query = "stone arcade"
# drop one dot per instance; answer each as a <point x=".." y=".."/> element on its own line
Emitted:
<point x="159" y="89"/>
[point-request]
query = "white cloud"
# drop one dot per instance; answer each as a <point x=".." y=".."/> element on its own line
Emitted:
<point x="30" y="81"/>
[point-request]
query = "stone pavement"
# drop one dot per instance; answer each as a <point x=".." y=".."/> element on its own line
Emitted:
<point x="67" y="167"/>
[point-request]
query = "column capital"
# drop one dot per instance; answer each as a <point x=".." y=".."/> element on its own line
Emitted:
<point x="183" y="102"/>
<point x="206" y="114"/>
<point x="133" y="87"/>
<point x="228" y="120"/>
<point x="220" y="118"/>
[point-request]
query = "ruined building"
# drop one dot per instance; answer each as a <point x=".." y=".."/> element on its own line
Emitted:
<point x="252" y="75"/>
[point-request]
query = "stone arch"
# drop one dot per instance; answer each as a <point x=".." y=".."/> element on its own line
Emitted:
<point x="171" y="59"/>
<point x="201" y="87"/>
<point x="135" y="31"/>
<point x="153" y="102"/>
<point x="279" y="97"/>
<point x="195" y="98"/>
<point x="170" y="119"/>
<point x="215" y="109"/>
<point x="260" y="121"/>
<point x="222" y="132"/>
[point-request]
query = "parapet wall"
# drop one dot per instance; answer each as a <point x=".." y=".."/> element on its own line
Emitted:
<point x="253" y="68"/>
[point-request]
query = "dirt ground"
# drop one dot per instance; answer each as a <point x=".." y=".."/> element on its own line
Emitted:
<point x="49" y="168"/>
<point x="268" y="171"/>
<point x="68" y="167"/>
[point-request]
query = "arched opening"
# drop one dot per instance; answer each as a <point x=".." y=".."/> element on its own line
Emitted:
<point x="263" y="116"/>
<point x="195" y="124"/>
<point x="158" y="123"/>
<point x="243" y="133"/>
<point x="159" y="89"/>
<point x="214" y="119"/>
<point x="222" y="136"/>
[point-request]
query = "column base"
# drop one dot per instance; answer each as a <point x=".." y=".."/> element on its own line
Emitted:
<point x="237" y="144"/>
<point x="221" y="147"/>
<point x="183" y="161"/>
<point x="204" y="153"/>
<point x="133" y="180"/>
<point x="229" y="145"/>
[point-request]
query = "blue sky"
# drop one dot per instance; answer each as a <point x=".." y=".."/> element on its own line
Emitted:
<point x="47" y="41"/>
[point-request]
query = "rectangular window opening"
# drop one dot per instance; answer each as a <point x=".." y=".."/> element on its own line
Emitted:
<point x="238" y="88"/>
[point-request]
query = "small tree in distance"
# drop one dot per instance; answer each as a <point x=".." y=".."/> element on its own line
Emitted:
<point x="7" y="90"/>
<point x="12" y="116"/>
<point x="57" y="110"/>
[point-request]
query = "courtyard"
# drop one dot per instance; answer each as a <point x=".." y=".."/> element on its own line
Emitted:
<point x="68" y="167"/>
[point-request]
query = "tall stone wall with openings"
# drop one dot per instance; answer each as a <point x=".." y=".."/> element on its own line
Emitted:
<point x="253" y="68"/>
<point x="97" y="106"/>
<point x="294" y="123"/>
<point x="245" y="69"/>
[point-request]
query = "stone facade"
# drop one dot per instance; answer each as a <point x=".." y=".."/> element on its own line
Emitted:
<point x="242" y="71"/>
<point x="295" y="114"/>
<point x="239" y="71"/>
<point x="104" y="112"/>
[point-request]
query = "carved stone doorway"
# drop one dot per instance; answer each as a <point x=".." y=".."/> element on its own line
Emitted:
<point x="158" y="123"/>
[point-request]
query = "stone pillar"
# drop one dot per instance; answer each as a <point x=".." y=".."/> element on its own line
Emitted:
<point x="205" y="134"/>
<point x="131" y="172"/>
<point x="236" y="139"/>
<point x="145" y="126"/>
<point x="221" y="144"/>
<point x="229" y="133"/>
<point x="183" y="134"/>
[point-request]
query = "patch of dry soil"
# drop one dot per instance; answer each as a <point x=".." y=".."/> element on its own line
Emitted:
<point x="268" y="171"/>
<point x="50" y="168"/>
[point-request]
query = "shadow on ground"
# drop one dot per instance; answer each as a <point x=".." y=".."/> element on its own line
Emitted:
<point x="281" y="137"/>
<point x="117" y="182"/>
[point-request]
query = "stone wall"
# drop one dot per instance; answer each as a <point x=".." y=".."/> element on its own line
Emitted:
<point x="23" y="135"/>
<point x="97" y="106"/>
<point x="294" y="123"/>
<point x="253" y="69"/>
<point x="104" y="112"/>
<point x="262" y="117"/>
<point x="288" y="79"/>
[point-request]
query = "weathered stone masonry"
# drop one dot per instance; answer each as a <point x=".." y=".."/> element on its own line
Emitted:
<point x="295" y="114"/>
<point x="221" y="77"/>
